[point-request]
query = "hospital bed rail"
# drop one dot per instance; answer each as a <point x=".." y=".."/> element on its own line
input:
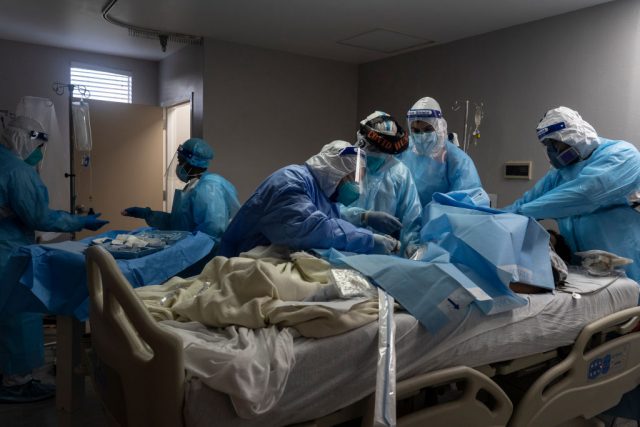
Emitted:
<point x="140" y="376"/>
<point x="137" y="367"/>
<point x="604" y="363"/>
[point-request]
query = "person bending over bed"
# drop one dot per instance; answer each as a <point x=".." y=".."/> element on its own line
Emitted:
<point x="390" y="203"/>
<point x="593" y="192"/>
<point x="295" y="207"/>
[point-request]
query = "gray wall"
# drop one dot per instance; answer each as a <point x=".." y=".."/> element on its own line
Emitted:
<point x="30" y="70"/>
<point x="587" y="60"/>
<point x="180" y="75"/>
<point x="267" y="109"/>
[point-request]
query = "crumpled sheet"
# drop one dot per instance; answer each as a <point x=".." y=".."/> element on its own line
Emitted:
<point x="249" y="291"/>
<point x="233" y="320"/>
<point x="250" y="365"/>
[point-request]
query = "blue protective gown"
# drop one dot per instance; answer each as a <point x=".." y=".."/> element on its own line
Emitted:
<point x="589" y="201"/>
<point x="455" y="171"/>
<point x="24" y="208"/>
<point x="290" y="209"/>
<point x="208" y="207"/>
<point x="390" y="189"/>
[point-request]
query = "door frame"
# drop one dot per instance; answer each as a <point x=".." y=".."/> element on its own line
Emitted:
<point x="166" y="106"/>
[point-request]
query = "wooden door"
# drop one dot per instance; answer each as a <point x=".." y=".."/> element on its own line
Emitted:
<point x="126" y="162"/>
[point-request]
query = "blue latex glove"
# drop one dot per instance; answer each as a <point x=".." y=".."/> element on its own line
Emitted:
<point x="382" y="222"/>
<point x="91" y="222"/>
<point x="137" y="212"/>
<point x="384" y="245"/>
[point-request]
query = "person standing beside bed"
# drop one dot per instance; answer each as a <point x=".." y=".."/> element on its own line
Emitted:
<point x="24" y="208"/>
<point x="295" y="207"/>
<point x="390" y="203"/>
<point x="436" y="164"/>
<point x="206" y="203"/>
<point x="593" y="190"/>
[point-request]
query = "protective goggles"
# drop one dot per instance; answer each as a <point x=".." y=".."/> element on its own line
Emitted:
<point x="562" y="158"/>
<point x="426" y="129"/>
<point x="39" y="135"/>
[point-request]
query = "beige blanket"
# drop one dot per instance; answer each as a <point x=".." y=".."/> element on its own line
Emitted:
<point x="250" y="290"/>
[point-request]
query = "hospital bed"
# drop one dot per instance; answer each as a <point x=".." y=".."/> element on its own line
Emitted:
<point x="138" y="366"/>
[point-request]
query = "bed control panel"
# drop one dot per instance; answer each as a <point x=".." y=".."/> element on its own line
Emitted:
<point x="608" y="364"/>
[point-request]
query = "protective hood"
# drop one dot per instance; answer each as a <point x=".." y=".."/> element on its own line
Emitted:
<point x="23" y="135"/>
<point x="428" y="110"/>
<point x="565" y="125"/>
<point x="335" y="161"/>
<point x="197" y="152"/>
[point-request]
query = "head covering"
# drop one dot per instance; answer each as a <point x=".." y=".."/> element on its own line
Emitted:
<point x="381" y="132"/>
<point x="23" y="135"/>
<point x="428" y="110"/>
<point x="335" y="161"/>
<point x="197" y="152"/>
<point x="565" y="125"/>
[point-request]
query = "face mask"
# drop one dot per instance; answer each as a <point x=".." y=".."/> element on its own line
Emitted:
<point x="374" y="163"/>
<point x="348" y="192"/>
<point x="562" y="159"/>
<point x="182" y="173"/>
<point x="424" y="142"/>
<point x="35" y="157"/>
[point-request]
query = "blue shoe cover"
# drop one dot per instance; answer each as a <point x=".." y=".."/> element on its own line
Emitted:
<point x="31" y="391"/>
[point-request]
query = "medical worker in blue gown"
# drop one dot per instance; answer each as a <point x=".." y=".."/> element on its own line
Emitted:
<point x="389" y="203"/>
<point x="295" y="207"/>
<point x="206" y="203"/>
<point x="593" y="190"/>
<point x="437" y="165"/>
<point x="24" y="208"/>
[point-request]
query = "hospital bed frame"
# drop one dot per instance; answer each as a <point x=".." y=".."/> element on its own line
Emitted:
<point x="138" y="370"/>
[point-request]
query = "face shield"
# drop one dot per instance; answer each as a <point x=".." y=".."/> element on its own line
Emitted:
<point x="565" y="125"/>
<point x="174" y="174"/>
<point x="351" y="186"/>
<point x="338" y="162"/>
<point x="26" y="138"/>
<point x="427" y="131"/>
<point x="380" y="132"/>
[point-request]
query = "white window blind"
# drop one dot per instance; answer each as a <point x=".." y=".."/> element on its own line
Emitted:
<point x="102" y="85"/>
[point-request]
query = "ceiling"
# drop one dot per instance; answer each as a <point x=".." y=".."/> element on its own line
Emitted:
<point x="321" y="28"/>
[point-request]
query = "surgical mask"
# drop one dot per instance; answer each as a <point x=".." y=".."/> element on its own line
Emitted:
<point x="425" y="142"/>
<point x="35" y="157"/>
<point x="563" y="158"/>
<point x="348" y="192"/>
<point x="182" y="173"/>
<point x="374" y="163"/>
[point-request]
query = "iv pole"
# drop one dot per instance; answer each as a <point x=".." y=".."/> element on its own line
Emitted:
<point x="476" y="133"/>
<point x="59" y="89"/>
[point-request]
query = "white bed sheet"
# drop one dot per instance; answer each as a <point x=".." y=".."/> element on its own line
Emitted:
<point x="334" y="372"/>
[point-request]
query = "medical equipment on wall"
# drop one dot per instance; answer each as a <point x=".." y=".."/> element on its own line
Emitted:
<point x="478" y="115"/>
<point x="79" y="139"/>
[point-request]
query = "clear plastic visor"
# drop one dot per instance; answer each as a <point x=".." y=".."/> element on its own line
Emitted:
<point x="171" y="174"/>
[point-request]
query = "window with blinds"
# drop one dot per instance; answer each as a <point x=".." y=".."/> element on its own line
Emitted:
<point x="104" y="85"/>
